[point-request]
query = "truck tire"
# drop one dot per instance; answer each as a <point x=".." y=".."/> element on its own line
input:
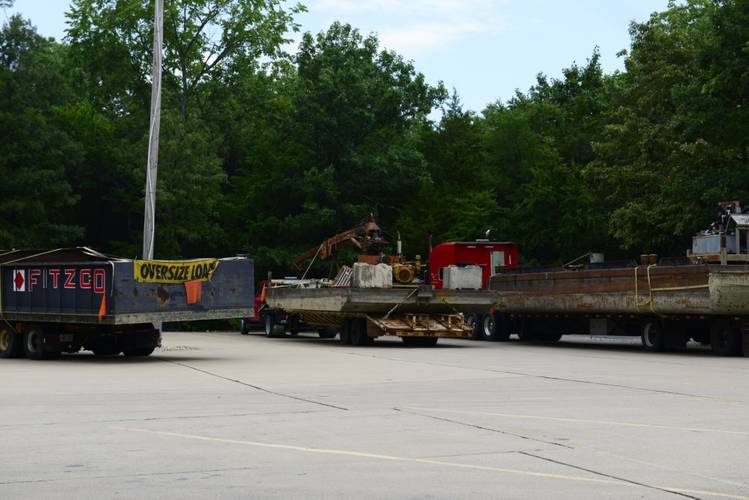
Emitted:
<point x="272" y="328"/>
<point x="244" y="328"/>
<point x="550" y="337"/>
<point x="359" y="335"/>
<point x="345" y="334"/>
<point x="725" y="339"/>
<point x="653" y="337"/>
<point x="11" y="343"/>
<point x="104" y="347"/>
<point x="327" y="333"/>
<point x="139" y="352"/>
<point x="292" y="324"/>
<point x="496" y="327"/>
<point x="473" y="321"/>
<point x="420" y="341"/>
<point x="34" y="344"/>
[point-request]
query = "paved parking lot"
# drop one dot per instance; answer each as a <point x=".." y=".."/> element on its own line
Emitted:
<point x="223" y="415"/>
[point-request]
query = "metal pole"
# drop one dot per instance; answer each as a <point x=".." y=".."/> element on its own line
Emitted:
<point x="149" y="215"/>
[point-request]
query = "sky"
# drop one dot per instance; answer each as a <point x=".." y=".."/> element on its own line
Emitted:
<point x="484" y="49"/>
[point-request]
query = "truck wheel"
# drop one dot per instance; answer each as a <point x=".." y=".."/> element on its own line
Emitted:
<point x="345" y="335"/>
<point x="359" y="335"/>
<point x="653" y="338"/>
<point x="500" y="328"/>
<point x="139" y="352"/>
<point x="326" y="333"/>
<point x="243" y="327"/>
<point x="420" y="341"/>
<point x="33" y="343"/>
<point x="11" y="343"/>
<point x="725" y="339"/>
<point x="272" y="328"/>
<point x="292" y="324"/>
<point x="550" y="337"/>
<point x="473" y="321"/>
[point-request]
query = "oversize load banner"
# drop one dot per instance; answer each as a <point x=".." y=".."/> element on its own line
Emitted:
<point x="173" y="271"/>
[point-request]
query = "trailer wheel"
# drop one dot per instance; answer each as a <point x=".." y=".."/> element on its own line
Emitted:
<point x="501" y="327"/>
<point x="326" y="333"/>
<point x="550" y="337"/>
<point x="725" y="339"/>
<point x="33" y="344"/>
<point x="292" y="324"/>
<point x="11" y="343"/>
<point x="244" y="328"/>
<point x="272" y="328"/>
<point x="473" y="321"/>
<point x="359" y="335"/>
<point x="420" y="341"/>
<point x="345" y="335"/>
<point x="139" y="352"/>
<point x="653" y="338"/>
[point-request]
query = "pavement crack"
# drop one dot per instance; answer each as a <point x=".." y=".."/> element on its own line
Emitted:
<point x="609" y="476"/>
<point x="257" y="387"/>
<point x="549" y="377"/>
<point x="484" y="428"/>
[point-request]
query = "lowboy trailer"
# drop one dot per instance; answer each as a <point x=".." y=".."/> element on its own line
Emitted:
<point x="65" y="300"/>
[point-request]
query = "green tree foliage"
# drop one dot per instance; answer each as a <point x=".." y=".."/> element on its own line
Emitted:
<point x="36" y="152"/>
<point x="268" y="153"/>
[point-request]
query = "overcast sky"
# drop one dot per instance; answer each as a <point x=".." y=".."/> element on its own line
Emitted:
<point x="484" y="48"/>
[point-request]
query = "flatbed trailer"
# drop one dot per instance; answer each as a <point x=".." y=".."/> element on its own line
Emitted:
<point x="65" y="300"/>
<point x="665" y="305"/>
<point x="419" y="315"/>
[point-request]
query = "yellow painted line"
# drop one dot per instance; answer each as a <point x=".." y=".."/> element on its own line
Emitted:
<point x="581" y="421"/>
<point x="377" y="456"/>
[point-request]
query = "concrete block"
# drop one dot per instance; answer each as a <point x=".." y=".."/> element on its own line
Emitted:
<point x="464" y="277"/>
<point x="369" y="276"/>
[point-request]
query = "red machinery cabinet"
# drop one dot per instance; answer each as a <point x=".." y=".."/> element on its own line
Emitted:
<point x="491" y="256"/>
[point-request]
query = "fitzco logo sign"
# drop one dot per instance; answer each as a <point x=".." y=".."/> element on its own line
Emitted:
<point x="27" y="280"/>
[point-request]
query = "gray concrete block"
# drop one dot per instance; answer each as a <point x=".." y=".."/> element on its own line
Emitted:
<point x="466" y="278"/>
<point x="369" y="276"/>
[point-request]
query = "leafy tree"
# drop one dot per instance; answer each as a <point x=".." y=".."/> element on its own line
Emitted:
<point x="36" y="150"/>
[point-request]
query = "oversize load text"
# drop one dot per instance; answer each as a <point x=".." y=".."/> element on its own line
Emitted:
<point x="171" y="271"/>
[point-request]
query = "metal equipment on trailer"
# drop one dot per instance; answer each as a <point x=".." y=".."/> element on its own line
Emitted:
<point x="64" y="300"/>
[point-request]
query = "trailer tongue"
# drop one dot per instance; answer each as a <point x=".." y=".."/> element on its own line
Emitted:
<point x="65" y="300"/>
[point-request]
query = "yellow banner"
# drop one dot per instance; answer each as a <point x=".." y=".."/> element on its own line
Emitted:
<point x="173" y="271"/>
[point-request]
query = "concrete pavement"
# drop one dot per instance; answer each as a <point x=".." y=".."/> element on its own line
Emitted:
<point x="219" y="415"/>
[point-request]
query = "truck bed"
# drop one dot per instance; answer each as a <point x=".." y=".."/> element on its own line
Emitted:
<point x="670" y="290"/>
<point x="379" y="300"/>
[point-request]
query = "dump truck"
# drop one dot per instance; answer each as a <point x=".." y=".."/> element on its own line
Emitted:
<point x="64" y="300"/>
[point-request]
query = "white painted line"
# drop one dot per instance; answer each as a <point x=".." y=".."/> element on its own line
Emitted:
<point x="377" y="456"/>
<point x="580" y="421"/>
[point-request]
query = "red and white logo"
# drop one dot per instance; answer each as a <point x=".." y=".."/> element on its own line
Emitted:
<point x="19" y="280"/>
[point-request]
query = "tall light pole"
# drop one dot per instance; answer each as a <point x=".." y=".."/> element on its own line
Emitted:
<point x="149" y="215"/>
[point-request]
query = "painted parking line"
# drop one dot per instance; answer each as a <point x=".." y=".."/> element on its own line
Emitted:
<point x="425" y="461"/>
<point x="581" y="421"/>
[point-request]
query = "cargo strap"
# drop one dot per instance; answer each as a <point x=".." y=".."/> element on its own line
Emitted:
<point x="400" y="303"/>
<point x="649" y="300"/>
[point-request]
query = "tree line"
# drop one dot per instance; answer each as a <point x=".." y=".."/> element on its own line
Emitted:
<point x="266" y="151"/>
